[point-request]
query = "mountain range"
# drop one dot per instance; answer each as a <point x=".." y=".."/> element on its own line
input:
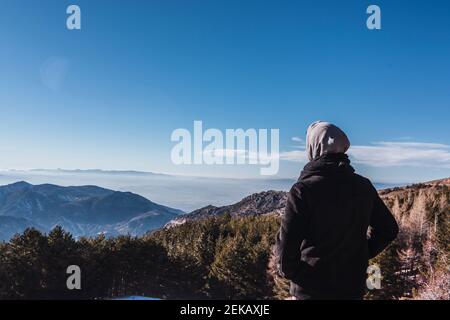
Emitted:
<point x="81" y="210"/>
<point x="92" y="210"/>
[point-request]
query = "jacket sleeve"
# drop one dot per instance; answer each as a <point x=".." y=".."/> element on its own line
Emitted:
<point x="291" y="234"/>
<point x="384" y="228"/>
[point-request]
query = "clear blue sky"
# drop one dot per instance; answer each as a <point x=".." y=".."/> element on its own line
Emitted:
<point x="110" y="95"/>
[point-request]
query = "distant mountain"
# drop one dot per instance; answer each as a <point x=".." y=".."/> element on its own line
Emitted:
<point x="100" y="171"/>
<point x="83" y="210"/>
<point x="267" y="202"/>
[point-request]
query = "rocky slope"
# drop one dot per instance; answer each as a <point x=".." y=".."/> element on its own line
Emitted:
<point x="418" y="207"/>
<point x="267" y="202"/>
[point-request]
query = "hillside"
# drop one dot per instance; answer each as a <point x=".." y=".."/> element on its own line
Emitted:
<point x="418" y="261"/>
<point x="267" y="202"/>
<point x="82" y="211"/>
<point x="418" y="207"/>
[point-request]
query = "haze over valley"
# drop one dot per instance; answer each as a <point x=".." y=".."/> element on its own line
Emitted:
<point x="186" y="193"/>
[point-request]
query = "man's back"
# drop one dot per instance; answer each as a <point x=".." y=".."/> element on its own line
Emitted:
<point x="322" y="244"/>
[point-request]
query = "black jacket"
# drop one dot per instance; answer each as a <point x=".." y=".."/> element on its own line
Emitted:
<point x="323" y="245"/>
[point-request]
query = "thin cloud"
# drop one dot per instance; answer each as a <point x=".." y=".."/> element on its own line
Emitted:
<point x="297" y="139"/>
<point x="295" y="156"/>
<point x="245" y="155"/>
<point x="389" y="154"/>
<point x="415" y="154"/>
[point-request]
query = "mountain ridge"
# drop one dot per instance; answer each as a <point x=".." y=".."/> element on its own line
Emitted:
<point x="81" y="210"/>
<point x="275" y="202"/>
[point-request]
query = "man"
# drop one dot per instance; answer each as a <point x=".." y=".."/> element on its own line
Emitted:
<point x="324" y="242"/>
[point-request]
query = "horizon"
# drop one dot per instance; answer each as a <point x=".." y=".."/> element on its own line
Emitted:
<point x="192" y="192"/>
<point x="152" y="173"/>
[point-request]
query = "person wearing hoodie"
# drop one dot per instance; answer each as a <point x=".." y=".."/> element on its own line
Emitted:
<point x="334" y="222"/>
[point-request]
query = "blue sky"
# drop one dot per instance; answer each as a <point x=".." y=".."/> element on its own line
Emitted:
<point x="110" y="95"/>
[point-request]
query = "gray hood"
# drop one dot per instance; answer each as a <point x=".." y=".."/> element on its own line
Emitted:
<point x="325" y="138"/>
